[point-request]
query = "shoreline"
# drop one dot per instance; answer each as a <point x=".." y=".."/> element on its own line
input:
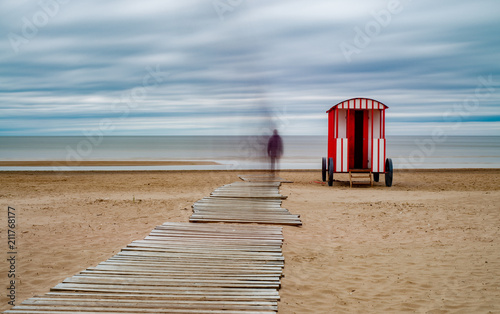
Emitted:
<point x="101" y="163"/>
<point x="199" y="165"/>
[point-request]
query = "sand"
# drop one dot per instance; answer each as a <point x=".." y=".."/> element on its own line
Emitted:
<point x="428" y="244"/>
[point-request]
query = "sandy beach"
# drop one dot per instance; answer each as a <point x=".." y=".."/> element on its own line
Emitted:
<point x="429" y="244"/>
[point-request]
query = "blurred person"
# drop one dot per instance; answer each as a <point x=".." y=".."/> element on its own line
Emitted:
<point x="275" y="150"/>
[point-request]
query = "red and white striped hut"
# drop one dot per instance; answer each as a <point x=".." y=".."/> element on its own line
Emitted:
<point x="356" y="141"/>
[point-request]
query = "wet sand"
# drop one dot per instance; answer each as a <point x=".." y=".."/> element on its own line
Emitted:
<point x="100" y="163"/>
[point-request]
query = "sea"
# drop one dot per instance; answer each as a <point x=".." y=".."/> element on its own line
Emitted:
<point x="238" y="152"/>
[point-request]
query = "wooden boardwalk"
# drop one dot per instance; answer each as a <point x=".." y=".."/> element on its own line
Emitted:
<point x="255" y="200"/>
<point x="186" y="267"/>
<point x="178" y="268"/>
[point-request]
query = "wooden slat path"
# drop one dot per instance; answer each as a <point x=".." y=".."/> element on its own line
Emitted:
<point x="178" y="268"/>
<point x="263" y="177"/>
<point x="249" y="190"/>
<point x="247" y="201"/>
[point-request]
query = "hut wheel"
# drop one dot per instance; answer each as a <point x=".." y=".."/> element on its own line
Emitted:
<point x="330" y="171"/>
<point x="323" y="169"/>
<point x="388" y="172"/>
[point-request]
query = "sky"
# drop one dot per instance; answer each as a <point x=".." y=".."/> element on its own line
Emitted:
<point x="240" y="67"/>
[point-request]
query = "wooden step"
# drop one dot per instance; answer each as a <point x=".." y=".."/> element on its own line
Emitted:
<point x="360" y="176"/>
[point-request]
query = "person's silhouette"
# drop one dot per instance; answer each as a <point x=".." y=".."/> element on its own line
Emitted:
<point x="275" y="150"/>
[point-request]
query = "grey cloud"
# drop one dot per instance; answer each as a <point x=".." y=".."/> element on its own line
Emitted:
<point x="263" y="55"/>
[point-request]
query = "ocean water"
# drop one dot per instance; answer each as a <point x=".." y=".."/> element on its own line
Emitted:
<point x="242" y="152"/>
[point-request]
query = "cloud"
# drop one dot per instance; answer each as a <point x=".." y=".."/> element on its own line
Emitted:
<point x="89" y="61"/>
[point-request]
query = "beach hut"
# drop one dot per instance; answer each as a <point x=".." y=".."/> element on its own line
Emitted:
<point x="356" y="142"/>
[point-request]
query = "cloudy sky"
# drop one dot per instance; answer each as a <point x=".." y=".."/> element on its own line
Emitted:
<point x="218" y="67"/>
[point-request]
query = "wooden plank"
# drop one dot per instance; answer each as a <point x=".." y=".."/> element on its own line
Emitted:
<point x="233" y="257"/>
<point x="247" y="214"/>
<point x="263" y="178"/>
<point x="181" y="275"/>
<point x="242" y="273"/>
<point x="209" y="277"/>
<point x="267" y="292"/>
<point x="241" y="201"/>
<point x="198" y="263"/>
<point x="73" y="309"/>
<point x="164" y="249"/>
<point x="160" y="304"/>
<point x="291" y="223"/>
<point x="162" y="296"/>
<point x="220" y="248"/>
<point x="194" y="266"/>
<point x="51" y="299"/>
<point x="215" y="236"/>
<point x="156" y="282"/>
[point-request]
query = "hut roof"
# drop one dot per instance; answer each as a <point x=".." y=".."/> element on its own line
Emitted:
<point x="359" y="103"/>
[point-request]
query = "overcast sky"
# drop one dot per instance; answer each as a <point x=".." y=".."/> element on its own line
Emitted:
<point x="204" y="67"/>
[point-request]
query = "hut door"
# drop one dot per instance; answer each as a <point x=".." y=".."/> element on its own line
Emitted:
<point x="361" y="139"/>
